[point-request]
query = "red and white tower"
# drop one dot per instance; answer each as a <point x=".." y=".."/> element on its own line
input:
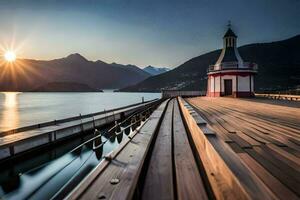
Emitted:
<point x="231" y="76"/>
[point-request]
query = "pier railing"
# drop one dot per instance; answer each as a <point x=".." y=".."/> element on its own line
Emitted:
<point x="55" y="122"/>
<point x="279" y="96"/>
<point x="130" y="123"/>
<point x="182" y="93"/>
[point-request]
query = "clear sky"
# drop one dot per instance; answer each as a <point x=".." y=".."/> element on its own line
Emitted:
<point x="159" y="32"/>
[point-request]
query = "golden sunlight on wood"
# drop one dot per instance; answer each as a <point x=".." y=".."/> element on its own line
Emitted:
<point x="10" y="56"/>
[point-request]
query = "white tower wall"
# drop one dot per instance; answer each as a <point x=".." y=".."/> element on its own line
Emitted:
<point x="243" y="83"/>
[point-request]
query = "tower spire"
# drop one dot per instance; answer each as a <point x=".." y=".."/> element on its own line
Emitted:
<point x="229" y="24"/>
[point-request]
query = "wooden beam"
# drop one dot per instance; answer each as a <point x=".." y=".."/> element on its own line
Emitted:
<point x="188" y="180"/>
<point x="159" y="183"/>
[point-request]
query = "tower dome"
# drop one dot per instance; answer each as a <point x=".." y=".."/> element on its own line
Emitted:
<point x="230" y="57"/>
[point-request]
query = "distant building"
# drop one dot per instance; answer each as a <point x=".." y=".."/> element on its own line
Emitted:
<point x="231" y="76"/>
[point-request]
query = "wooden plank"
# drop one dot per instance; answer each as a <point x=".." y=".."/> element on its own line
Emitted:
<point x="273" y="130"/>
<point x="199" y="119"/>
<point x="220" y="119"/>
<point x="192" y="111"/>
<point x="188" y="180"/>
<point x="269" y="180"/>
<point x="295" y="141"/>
<point x="267" y="154"/>
<point x="255" y="136"/>
<point x="292" y="151"/>
<point x="293" y="160"/>
<point x="215" y="125"/>
<point x="260" y="123"/>
<point x="257" y="132"/>
<point x="159" y="183"/>
<point x="246" y="177"/>
<point x="267" y="136"/>
<point x="235" y="147"/>
<point x="259" y="110"/>
<point x="275" y="171"/>
<point x="240" y="141"/>
<point x="248" y="139"/>
<point x="206" y="130"/>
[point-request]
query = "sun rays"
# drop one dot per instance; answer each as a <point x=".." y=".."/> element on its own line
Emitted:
<point x="10" y="56"/>
<point x="14" y="68"/>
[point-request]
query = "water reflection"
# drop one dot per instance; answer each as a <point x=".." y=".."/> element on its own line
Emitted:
<point x="10" y="113"/>
<point x="11" y="172"/>
<point x="119" y="137"/>
<point x="42" y="174"/>
<point x="99" y="152"/>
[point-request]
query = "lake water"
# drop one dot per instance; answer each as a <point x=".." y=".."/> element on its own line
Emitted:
<point x="23" y="109"/>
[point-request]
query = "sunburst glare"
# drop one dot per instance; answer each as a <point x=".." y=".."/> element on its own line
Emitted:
<point x="10" y="56"/>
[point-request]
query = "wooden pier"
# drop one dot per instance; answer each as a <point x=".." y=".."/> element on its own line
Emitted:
<point x="193" y="148"/>
<point x="205" y="148"/>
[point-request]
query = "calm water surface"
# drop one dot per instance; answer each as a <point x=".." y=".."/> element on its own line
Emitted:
<point x="42" y="175"/>
<point x="22" y="109"/>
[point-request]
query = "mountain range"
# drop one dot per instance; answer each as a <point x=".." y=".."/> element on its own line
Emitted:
<point x="36" y="75"/>
<point x="278" y="62"/>
<point x="155" y="70"/>
<point x="278" y="69"/>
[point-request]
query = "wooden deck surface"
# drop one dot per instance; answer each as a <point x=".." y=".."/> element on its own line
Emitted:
<point x="172" y="172"/>
<point x="264" y="134"/>
<point x="205" y="148"/>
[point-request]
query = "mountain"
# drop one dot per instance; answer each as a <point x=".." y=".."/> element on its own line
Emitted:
<point x="132" y="68"/>
<point x="27" y="74"/>
<point x="149" y="70"/>
<point x="155" y="70"/>
<point x="65" y="87"/>
<point x="278" y="68"/>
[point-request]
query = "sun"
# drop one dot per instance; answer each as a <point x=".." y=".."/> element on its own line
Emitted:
<point x="10" y="56"/>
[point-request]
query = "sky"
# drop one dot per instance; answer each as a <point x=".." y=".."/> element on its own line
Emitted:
<point x="161" y="33"/>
